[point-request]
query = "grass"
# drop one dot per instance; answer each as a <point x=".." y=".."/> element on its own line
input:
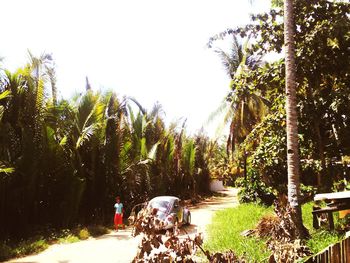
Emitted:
<point x="320" y="238"/>
<point x="12" y="249"/>
<point x="224" y="232"/>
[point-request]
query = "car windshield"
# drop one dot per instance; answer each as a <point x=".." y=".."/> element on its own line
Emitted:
<point x="162" y="205"/>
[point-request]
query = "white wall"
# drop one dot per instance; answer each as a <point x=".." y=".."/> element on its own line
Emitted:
<point x="216" y="185"/>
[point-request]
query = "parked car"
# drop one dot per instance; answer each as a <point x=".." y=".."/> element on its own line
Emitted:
<point x="168" y="209"/>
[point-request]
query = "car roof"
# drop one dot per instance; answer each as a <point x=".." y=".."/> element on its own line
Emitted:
<point x="165" y="198"/>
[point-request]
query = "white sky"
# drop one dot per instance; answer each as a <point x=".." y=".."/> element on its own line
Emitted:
<point x="153" y="50"/>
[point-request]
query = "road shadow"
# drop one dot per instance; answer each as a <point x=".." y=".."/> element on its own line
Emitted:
<point x="210" y="204"/>
<point x="120" y="235"/>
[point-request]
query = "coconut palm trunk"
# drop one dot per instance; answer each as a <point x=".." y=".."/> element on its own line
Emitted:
<point x="292" y="125"/>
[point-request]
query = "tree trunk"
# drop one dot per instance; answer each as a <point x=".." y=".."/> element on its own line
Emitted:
<point x="292" y="126"/>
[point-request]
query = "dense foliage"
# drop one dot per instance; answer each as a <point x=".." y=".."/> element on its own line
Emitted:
<point x="323" y="82"/>
<point x="62" y="162"/>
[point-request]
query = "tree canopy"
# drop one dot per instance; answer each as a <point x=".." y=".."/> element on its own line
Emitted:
<point x="322" y="72"/>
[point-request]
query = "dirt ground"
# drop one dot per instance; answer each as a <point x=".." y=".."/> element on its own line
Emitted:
<point x="120" y="247"/>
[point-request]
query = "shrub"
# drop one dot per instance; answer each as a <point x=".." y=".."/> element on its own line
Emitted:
<point x="5" y="252"/>
<point x="30" y="246"/>
<point x="97" y="230"/>
<point x="253" y="190"/>
<point x="84" y="234"/>
<point x="68" y="239"/>
<point x="307" y="192"/>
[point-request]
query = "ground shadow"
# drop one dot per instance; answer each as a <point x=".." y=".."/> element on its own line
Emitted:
<point x="210" y="204"/>
<point x="122" y="235"/>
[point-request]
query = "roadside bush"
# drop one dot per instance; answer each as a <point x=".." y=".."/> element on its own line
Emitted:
<point x="5" y="252"/>
<point x="97" y="230"/>
<point x="253" y="190"/>
<point x="68" y="239"/>
<point x="84" y="234"/>
<point x="31" y="246"/>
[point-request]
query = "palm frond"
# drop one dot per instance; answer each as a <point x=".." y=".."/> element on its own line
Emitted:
<point x="63" y="141"/>
<point x="86" y="134"/>
<point x="153" y="152"/>
<point x="189" y="156"/>
<point x="143" y="148"/>
<point x="40" y="95"/>
<point x="6" y="169"/>
<point x="217" y="113"/>
<point x="138" y="105"/>
<point x="156" y="110"/>
<point x="51" y="72"/>
<point x="5" y="94"/>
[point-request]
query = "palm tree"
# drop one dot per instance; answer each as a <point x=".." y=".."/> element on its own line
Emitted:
<point x="4" y="168"/>
<point x="233" y="58"/>
<point x="292" y="126"/>
<point x="242" y="108"/>
<point x="291" y="112"/>
<point x="188" y="165"/>
<point x="238" y="58"/>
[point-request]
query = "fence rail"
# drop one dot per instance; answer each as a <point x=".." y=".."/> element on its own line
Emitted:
<point x="337" y="253"/>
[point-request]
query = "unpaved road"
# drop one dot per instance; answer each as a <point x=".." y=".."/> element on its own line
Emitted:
<point x="121" y="247"/>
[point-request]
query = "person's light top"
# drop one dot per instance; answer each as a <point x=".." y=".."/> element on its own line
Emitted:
<point x="118" y="208"/>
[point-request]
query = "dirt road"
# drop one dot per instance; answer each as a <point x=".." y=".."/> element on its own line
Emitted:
<point x="121" y="247"/>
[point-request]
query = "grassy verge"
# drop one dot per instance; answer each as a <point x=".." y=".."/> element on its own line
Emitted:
<point x="12" y="249"/>
<point x="320" y="238"/>
<point x="224" y="232"/>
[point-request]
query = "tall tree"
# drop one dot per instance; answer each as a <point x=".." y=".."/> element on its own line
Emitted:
<point x="242" y="108"/>
<point x="292" y="119"/>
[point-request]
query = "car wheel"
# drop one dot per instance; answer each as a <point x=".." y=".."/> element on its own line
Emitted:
<point x="188" y="221"/>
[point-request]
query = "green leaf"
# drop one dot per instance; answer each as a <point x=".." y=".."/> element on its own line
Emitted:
<point x="153" y="152"/>
<point x="5" y="94"/>
<point x="143" y="148"/>
<point x="85" y="135"/>
<point x="333" y="43"/>
<point x="63" y="141"/>
<point x="5" y="169"/>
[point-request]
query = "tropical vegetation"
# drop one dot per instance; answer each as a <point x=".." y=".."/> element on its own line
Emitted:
<point x="63" y="162"/>
<point x="322" y="79"/>
<point x="223" y="236"/>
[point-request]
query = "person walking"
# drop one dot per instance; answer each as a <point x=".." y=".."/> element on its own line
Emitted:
<point x="118" y="216"/>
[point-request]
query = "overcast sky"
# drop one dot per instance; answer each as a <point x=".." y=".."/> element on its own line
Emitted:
<point x="153" y="50"/>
